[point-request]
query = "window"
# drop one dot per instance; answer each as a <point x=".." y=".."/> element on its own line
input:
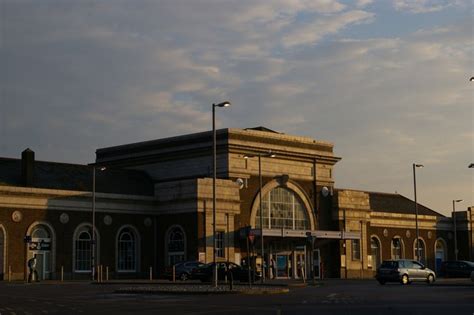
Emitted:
<point x="127" y="255"/>
<point x="417" y="265"/>
<point x="420" y="253"/>
<point x="175" y="245"/>
<point x="397" y="248"/>
<point x="282" y="208"/>
<point x="355" y="249"/>
<point x="220" y="246"/>
<point x="375" y="251"/>
<point x="83" y="252"/>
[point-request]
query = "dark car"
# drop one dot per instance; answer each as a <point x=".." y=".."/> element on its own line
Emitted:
<point x="183" y="270"/>
<point x="456" y="269"/>
<point x="404" y="271"/>
<point x="204" y="273"/>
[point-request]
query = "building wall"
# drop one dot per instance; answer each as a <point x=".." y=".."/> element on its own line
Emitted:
<point x="62" y="212"/>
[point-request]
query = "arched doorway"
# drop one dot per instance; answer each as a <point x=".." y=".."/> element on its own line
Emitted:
<point x="285" y="208"/>
<point x="440" y="253"/>
<point x="41" y="245"/>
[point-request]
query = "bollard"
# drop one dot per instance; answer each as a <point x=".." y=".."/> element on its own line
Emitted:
<point x="174" y="273"/>
<point x="151" y="273"/>
<point x="107" y="273"/>
<point x="101" y="273"/>
<point x="62" y="273"/>
<point x="9" y="273"/>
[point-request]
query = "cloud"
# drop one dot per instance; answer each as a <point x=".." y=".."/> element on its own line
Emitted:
<point x="79" y="76"/>
<point x="316" y="30"/>
<point x="424" y="6"/>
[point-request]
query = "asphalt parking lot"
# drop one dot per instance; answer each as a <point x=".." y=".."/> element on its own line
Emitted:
<point x="327" y="297"/>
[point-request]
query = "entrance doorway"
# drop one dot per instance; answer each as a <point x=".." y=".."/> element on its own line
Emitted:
<point x="41" y="246"/>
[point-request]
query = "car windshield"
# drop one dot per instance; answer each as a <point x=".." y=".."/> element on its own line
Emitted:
<point x="389" y="264"/>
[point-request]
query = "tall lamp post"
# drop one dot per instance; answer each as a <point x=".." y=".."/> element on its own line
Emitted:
<point x="260" y="155"/>
<point x="455" y="229"/>
<point x="93" y="240"/>
<point x="214" y="158"/>
<point x="416" y="212"/>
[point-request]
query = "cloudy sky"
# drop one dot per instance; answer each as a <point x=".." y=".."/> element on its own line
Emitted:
<point x="385" y="81"/>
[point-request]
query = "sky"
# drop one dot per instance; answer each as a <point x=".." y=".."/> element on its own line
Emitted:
<point x="386" y="81"/>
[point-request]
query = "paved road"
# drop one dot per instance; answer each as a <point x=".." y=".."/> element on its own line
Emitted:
<point x="333" y="297"/>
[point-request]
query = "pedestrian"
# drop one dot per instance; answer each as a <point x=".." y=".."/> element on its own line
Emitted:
<point x="32" y="269"/>
<point x="272" y="269"/>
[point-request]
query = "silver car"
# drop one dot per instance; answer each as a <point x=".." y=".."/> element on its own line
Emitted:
<point x="404" y="271"/>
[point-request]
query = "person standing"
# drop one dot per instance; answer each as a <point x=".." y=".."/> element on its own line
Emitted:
<point x="32" y="269"/>
<point x="272" y="269"/>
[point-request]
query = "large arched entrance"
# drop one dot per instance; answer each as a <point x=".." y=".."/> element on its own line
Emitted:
<point x="285" y="211"/>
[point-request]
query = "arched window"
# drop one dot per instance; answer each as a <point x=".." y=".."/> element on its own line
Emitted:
<point x="127" y="250"/>
<point x="282" y="208"/>
<point x="397" y="248"/>
<point x="440" y="253"/>
<point x="375" y="251"/>
<point x="175" y="245"/>
<point x="419" y="253"/>
<point x="83" y="248"/>
<point x="83" y="251"/>
<point x="40" y="232"/>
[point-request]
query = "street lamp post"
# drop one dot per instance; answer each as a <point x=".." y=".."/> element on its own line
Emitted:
<point x="416" y="213"/>
<point x="259" y="155"/>
<point x="455" y="229"/>
<point x="214" y="158"/>
<point x="93" y="240"/>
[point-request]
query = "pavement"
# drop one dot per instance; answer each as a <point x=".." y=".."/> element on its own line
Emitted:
<point x="274" y="286"/>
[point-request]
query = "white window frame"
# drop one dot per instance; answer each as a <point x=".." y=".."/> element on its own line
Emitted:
<point x="136" y="243"/>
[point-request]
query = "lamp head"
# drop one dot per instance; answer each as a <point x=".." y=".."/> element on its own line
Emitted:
<point x="471" y="79"/>
<point x="457" y="200"/>
<point x="419" y="165"/>
<point x="471" y="165"/>
<point x="223" y="104"/>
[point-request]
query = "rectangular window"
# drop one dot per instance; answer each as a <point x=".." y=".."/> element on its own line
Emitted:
<point x="355" y="249"/>
<point x="220" y="245"/>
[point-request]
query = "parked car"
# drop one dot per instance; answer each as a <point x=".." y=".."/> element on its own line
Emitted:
<point x="404" y="271"/>
<point x="239" y="273"/>
<point x="183" y="270"/>
<point x="456" y="269"/>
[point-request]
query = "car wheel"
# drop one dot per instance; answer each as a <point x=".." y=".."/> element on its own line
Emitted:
<point x="430" y="279"/>
<point x="405" y="279"/>
<point x="183" y="276"/>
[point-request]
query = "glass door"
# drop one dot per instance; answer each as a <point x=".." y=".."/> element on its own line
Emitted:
<point x="282" y="264"/>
